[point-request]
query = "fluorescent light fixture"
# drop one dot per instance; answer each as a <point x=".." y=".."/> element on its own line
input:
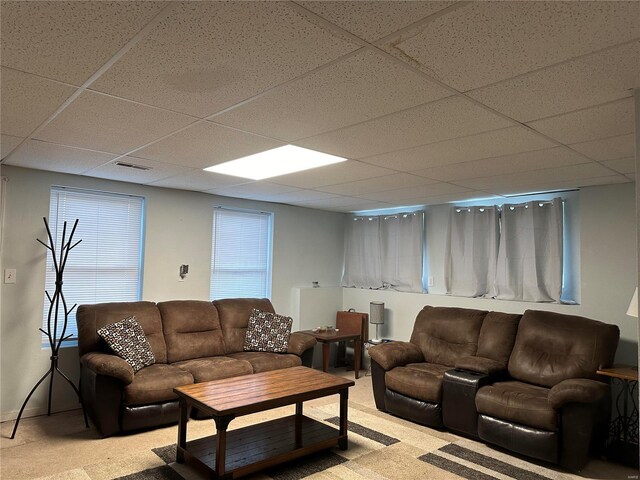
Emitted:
<point x="275" y="162"/>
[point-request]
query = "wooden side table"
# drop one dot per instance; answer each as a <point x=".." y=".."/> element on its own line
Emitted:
<point x="331" y="336"/>
<point x="622" y="443"/>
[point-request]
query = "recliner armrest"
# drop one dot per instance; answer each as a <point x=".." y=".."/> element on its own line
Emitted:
<point x="109" y="365"/>
<point x="578" y="390"/>
<point x="395" y="354"/>
<point x="484" y="365"/>
<point x="300" y="342"/>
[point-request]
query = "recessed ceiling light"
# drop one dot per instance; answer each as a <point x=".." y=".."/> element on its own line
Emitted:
<point x="275" y="162"/>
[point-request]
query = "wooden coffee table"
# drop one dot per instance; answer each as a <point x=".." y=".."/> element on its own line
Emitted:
<point x="246" y="450"/>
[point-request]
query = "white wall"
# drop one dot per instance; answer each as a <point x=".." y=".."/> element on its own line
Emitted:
<point x="605" y="270"/>
<point x="307" y="247"/>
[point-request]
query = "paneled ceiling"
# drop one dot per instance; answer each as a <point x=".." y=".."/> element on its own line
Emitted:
<point x="431" y="102"/>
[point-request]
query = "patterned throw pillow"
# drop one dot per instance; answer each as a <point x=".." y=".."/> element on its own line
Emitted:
<point x="267" y="332"/>
<point x="127" y="339"/>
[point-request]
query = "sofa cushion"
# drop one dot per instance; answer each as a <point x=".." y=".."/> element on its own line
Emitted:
<point x="497" y="336"/>
<point x="267" y="332"/>
<point x="214" y="368"/>
<point x="234" y="317"/>
<point x="155" y="383"/>
<point x="92" y="317"/>
<point x="422" y="381"/>
<point x="551" y="347"/>
<point x="267" y="361"/>
<point x="444" y="334"/>
<point x="518" y="402"/>
<point x="127" y="340"/>
<point x="191" y="329"/>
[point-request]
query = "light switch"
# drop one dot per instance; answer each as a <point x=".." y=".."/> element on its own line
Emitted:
<point x="9" y="275"/>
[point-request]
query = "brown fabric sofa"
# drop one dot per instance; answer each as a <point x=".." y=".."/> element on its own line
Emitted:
<point x="192" y="341"/>
<point x="526" y="383"/>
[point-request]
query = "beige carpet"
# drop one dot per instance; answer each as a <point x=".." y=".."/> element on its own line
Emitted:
<point x="380" y="447"/>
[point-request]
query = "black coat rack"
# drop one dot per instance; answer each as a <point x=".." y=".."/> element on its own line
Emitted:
<point x="59" y="262"/>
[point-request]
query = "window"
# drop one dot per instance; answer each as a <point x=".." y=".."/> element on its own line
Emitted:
<point x="241" y="254"/>
<point x="385" y="252"/>
<point x="106" y="266"/>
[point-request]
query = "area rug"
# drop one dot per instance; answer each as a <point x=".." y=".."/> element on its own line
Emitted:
<point x="380" y="447"/>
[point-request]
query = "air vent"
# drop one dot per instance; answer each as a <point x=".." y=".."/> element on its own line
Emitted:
<point x="131" y="165"/>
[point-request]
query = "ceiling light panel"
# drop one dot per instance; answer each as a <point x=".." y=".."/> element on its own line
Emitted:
<point x="204" y="144"/>
<point x="441" y="120"/>
<point x="513" y="38"/>
<point x="108" y="124"/>
<point x="275" y="162"/>
<point x="69" y="41"/>
<point x="356" y="89"/>
<point x="210" y="55"/>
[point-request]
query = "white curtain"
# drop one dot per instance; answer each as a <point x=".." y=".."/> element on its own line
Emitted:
<point x="362" y="266"/>
<point x="385" y="252"/>
<point x="401" y="243"/>
<point x="471" y="251"/>
<point x="529" y="264"/>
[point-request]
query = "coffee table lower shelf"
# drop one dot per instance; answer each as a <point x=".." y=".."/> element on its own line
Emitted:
<point x="260" y="446"/>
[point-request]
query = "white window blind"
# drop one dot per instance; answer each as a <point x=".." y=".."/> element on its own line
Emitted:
<point x="107" y="265"/>
<point x="240" y="254"/>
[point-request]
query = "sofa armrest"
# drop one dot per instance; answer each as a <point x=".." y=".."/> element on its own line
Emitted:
<point x="109" y="365"/>
<point x="395" y="354"/>
<point x="300" y="342"/>
<point x="484" y="365"/>
<point x="576" y="390"/>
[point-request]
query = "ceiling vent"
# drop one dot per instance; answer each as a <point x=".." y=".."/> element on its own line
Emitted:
<point x="131" y="165"/>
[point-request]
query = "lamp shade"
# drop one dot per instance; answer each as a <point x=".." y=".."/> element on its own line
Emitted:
<point x="376" y="312"/>
<point x="633" y="306"/>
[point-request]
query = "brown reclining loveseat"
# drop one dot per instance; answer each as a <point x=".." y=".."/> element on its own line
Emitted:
<point x="524" y="382"/>
<point x="192" y="341"/>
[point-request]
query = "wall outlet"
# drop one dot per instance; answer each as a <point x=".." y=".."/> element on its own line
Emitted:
<point x="9" y="275"/>
<point x="430" y="281"/>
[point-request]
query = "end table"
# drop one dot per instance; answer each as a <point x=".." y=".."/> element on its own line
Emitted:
<point x="331" y="336"/>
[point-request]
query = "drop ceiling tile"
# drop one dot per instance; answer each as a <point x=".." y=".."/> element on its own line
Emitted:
<point x="631" y="176"/>
<point x="253" y="190"/>
<point x="157" y="170"/>
<point x="414" y="193"/>
<point x="69" y="41"/>
<point x="613" y="148"/>
<point x="348" y="171"/>
<point x="538" y="178"/>
<point x="198" y="180"/>
<point x="519" y="162"/>
<point x="57" y="158"/>
<point x="452" y="198"/>
<point x="8" y="143"/>
<point x="561" y="185"/>
<point x="336" y="203"/>
<point x="361" y="207"/>
<point x="300" y="195"/>
<point x="373" y="20"/>
<point x="209" y="55"/>
<point x="581" y="83"/>
<point x="486" y="42"/>
<point x="377" y="184"/>
<point x="359" y="88"/>
<point x="593" y="123"/>
<point x="205" y="144"/>
<point x="27" y="101"/>
<point x="101" y="122"/>
<point x="622" y="165"/>
<point x="441" y="120"/>
<point x="484" y="145"/>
